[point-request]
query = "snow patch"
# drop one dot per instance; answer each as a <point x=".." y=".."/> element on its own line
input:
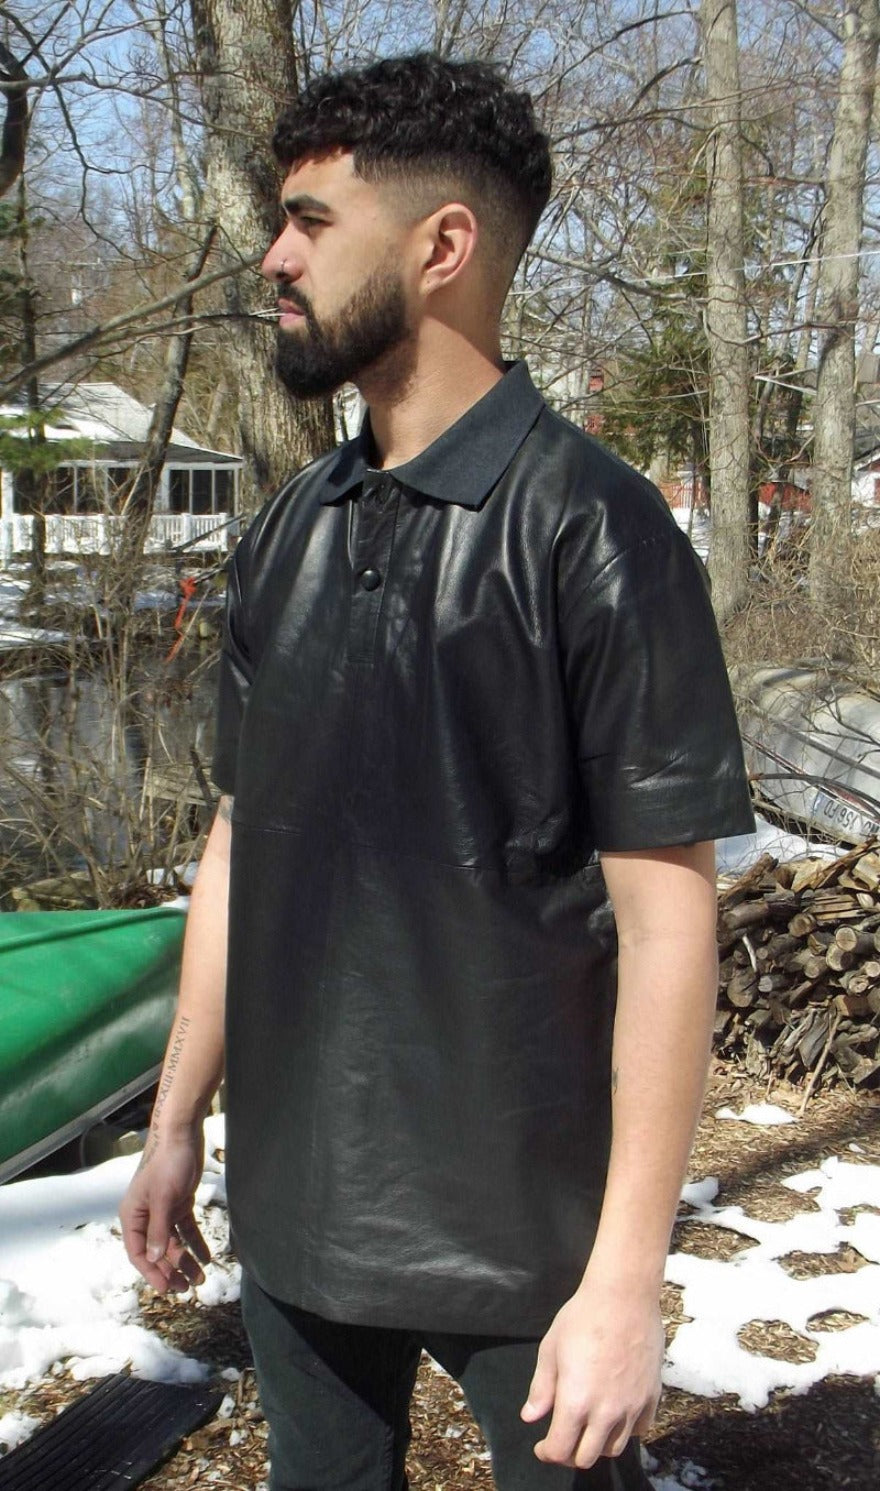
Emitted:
<point x="766" y="1115"/>
<point x="720" y="1297"/>
<point x="15" y="1428"/>
<point x="68" y="1293"/>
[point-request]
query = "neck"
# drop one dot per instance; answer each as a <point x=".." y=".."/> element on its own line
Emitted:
<point x="440" y="385"/>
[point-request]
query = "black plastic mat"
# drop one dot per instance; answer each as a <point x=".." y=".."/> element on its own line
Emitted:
<point x="112" y="1437"/>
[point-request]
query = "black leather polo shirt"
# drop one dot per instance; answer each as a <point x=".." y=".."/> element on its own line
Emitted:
<point x="444" y="688"/>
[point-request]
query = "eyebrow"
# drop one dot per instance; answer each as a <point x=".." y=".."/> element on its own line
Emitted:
<point x="301" y="203"/>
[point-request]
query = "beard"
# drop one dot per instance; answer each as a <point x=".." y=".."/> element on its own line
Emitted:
<point x="322" y="356"/>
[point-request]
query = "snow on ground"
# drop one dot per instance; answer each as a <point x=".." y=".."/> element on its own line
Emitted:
<point x="15" y="1428"/>
<point x="67" y="1290"/>
<point x="698" y="526"/>
<point x="720" y="1297"/>
<point x="765" y="1115"/>
<point x="68" y="1294"/>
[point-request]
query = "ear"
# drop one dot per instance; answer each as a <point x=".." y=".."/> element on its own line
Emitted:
<point x="449" y="241"/>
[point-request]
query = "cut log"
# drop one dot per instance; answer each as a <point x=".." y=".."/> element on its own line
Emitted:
<point x="867" y="869"/>
<point x="838" y="958"/>
<point x="802" y="923"/>
<point x="746" y="882"/>
<point x="854" y="940"/>
<point x="771" y="983"/>
<point x="856" y="982"/>
<point x="778" y="947"/>
<point x="799" y="991"/>
<point x="851" y="1004"/>
<point x="746" y="914"/>
<point x="742" y="988"/>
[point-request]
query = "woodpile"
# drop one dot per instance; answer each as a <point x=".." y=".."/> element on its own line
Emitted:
<point x="799" y="945"/>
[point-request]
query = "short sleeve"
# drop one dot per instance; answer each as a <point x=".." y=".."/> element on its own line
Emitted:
<point x="657" y="740"/>
<point x="233" y="685"/>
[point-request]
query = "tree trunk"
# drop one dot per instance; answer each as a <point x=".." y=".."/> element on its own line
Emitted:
<point x="13" y="84"/>
<point x="837" y="313"/>
<point x="726" y="315"/>
<point x="141" y="499"/>
<point x="247" y="70"/>
<point x="32" y="481"/>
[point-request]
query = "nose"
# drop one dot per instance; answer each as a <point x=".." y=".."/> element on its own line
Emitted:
<point x="281" y="264"/>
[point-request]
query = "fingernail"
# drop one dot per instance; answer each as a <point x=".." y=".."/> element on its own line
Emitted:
<point x="154" y="1252"/>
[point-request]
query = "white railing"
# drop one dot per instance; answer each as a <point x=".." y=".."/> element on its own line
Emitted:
<point x="94" y="533"/>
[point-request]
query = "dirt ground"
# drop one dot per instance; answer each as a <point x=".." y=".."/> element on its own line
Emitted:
<point x="827" y="1437"/>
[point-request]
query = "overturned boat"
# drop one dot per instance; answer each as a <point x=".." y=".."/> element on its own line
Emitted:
<point x="86" y="1002"/>
<point x="812" y="745"/>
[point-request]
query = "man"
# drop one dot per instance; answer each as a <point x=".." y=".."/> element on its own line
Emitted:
<point x="470" y="683"/>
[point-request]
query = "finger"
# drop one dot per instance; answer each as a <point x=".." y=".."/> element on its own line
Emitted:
<point x="591" y="1447"/>
<point x="542" y="1389"/>
<point x="567" y="1428"/>
<point x="159" y="1234"/>
<point x="646" y="1417"/>
<point x="190" y="1267"/>
<point x="178" y="1283"/>
<point x="189" y="1232"/>
<point x="617" y="1440"/>
<point x="134" y="1235"/>
<point x="180" y="1263"/>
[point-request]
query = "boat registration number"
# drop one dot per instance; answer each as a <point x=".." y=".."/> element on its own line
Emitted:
<point x="840" y="815"/>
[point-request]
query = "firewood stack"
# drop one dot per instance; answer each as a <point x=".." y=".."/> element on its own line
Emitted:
<point x="799" y="945"/>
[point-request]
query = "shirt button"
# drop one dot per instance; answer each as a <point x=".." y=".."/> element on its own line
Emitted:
<point x="370" y="579"/>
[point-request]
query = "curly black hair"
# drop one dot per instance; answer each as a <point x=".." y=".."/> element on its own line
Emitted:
<point x="425" y="118"/>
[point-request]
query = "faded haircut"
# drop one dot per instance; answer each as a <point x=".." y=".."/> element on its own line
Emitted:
<point x="439" y="130"/>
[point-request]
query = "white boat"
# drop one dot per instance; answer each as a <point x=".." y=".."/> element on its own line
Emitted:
<point x="812" y="745"/>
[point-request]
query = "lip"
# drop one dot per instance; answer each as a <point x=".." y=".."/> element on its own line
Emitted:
<point x="289" y="315"/>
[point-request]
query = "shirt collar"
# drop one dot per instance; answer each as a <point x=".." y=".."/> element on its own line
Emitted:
<point x="463" y="464"/>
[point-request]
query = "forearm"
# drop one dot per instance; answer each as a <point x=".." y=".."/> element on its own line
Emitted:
<point x="667" y="985"/>
<point x="193" y="1063"/>
<point x="662" y="1042"/>
<point x="599" y="1363"/>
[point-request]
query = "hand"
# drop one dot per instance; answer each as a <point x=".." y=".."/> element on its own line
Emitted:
<point x="159" y="1230"/>
<point x="599" y="1372"/>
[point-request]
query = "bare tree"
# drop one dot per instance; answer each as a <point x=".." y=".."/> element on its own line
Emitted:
<point x="726" y="313"/>
<point x="13" y="82"/>
<point x="838" y="307"/>
<point x="247" y="70"/>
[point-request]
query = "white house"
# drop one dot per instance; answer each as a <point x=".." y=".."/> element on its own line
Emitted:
<point x="198" y="493"/>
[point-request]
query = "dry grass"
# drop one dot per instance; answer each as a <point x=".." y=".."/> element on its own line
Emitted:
<point x="779" y="623"/>
<point x="835" y="1320"/>
<point x="705" y="1240"/>
<point x="672" y="1310"/>
<point x="776" y="1339"/>
<point x="812" y="1265"/>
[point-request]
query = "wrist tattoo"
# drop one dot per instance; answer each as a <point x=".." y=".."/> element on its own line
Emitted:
<point x="171" y="1066"/>
<point x="224" y="809"/>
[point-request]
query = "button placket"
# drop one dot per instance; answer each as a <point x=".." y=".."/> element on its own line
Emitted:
<point x="375" y="516"/>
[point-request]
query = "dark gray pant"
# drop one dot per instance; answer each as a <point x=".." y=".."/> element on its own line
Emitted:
<point x="336" y="1398"/>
